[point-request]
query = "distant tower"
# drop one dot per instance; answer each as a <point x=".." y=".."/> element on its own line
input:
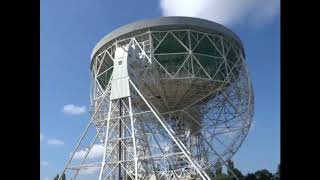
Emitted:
<point x="171" y="99"/>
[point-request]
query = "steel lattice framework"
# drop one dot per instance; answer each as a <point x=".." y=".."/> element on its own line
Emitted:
<point x="190" y="106"/>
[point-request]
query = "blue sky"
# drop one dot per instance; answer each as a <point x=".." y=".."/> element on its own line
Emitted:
<point x="70" y="29"/>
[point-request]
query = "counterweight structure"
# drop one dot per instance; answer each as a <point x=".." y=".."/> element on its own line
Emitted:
<point x="171" y="98"/>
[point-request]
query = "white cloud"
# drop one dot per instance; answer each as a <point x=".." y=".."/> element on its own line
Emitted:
<point x="46" y="178"/>
<point x="90" y="170"/>
<point x="96" y="151"/>
<point x="41" y="137"/>
<point x="74" y="109"/>
<point x="55" y="142"/>
<point x="44" y="163"/>
<point x="226" y="12"/>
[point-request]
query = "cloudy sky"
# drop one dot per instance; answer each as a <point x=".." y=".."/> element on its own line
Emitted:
<point x="70" y="29"/>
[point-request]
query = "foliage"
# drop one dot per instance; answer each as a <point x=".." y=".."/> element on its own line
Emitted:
<point x="218" y="167"/>
<point x="276" y="175"/>
<point x="263" y="175"/>
<point x="222" y="177"/>
<point x="250" y="176"/>
<point x="232" y="169"/>
<point x="57" y="177"/>
<point x="62" y="178"/>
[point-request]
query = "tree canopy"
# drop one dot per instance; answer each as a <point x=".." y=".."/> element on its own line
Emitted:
<point x="262" y="174"/>
<point x="62" y="178"/>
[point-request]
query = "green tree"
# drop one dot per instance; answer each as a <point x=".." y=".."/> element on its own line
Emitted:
<point x="222" y="177"/>
<point x="235" y="171"/>
<point x="218" y="167"/>
<point x="62" y="178"/>
<point x="129" y="178"/>
<point x="230" y="164"/>
<point x="263" y="175"/>
<point x="276" y="175"/>
<point x="211" y="174"/>
<point x="250" y="176"/>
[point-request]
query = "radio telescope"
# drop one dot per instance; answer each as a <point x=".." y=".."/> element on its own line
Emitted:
<point x="171" y="98"/>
